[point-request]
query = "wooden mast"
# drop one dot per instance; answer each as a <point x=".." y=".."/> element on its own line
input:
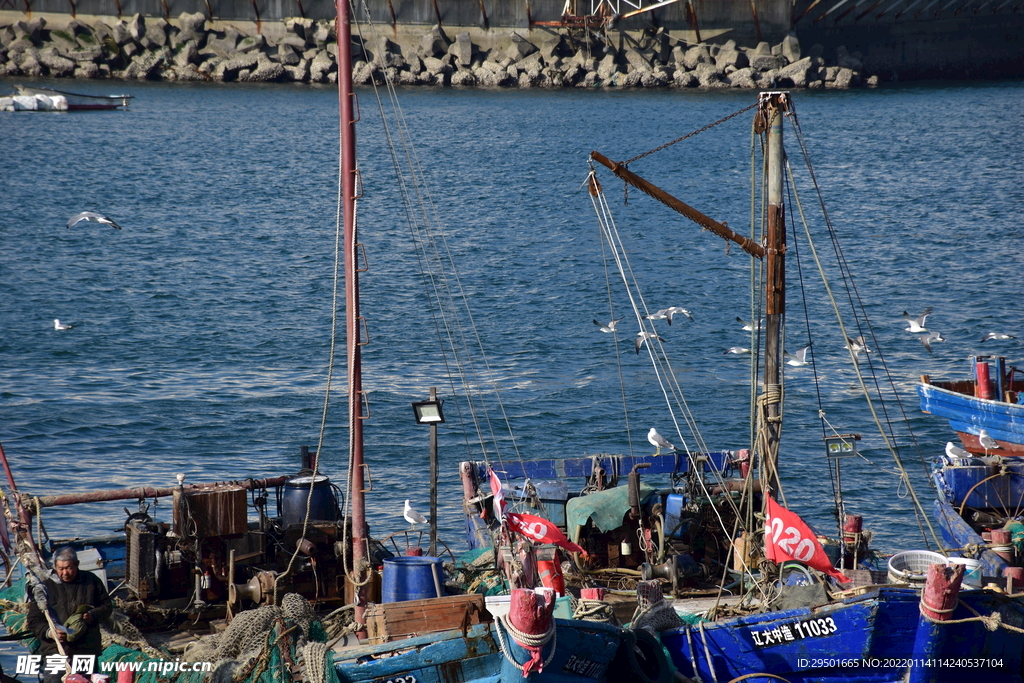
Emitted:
<point x="773" y="106"/>
<point x="352" y="317"/>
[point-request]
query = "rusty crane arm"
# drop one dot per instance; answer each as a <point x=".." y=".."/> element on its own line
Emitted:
<point x="720" y="229"/>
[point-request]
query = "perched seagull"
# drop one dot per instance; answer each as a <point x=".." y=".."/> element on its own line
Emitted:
<point x="987" y="442"/>
<point x="609" y="328"/>
<point x="799" y="358"/>
<point x="658" y="441"/>
<point x="735" y="349"/>
<point x="672" y="310"/>
<point x="954" y="451"/>
<point x="412" y="516"/>
<point x="917" y="324"/>
<point x="58" y="325"/>
<point x="857" y="346"/>
<point x="91" y="217"/>
<point x="998" y="336"/>
<point x="641" y="337"/>
<point x="747" y="326"/>
<point x="927" y="339"/>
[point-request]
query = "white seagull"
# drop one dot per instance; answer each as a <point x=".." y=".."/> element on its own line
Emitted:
<point x="917" y="324"/>
<point x="736" y="349"/>
<point x="658" y="441"/>
<point x="857" y="346"/>
<point x="987" y="442"/>
<point x="667" y="313"/>
<point x="91" y="217"/>
<point x="58" y="325"/>
<point x="927" y="339"/>
<point x="998" y="336"/>
<point x="609" y="328"/>
<point x="412" y="516"/>
<point x="799" y="358"/>
<point x="954" y="451"/>
<point x="747" y="326"/>
<point x="641" y="337"/>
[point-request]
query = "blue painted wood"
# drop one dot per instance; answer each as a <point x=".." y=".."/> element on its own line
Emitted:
<point x="878" y="626"/>
<point x="583" y="653"/>
<point x="1003" y="421"/>
<point x="560" y="468"/>
<point x="957" y="533"/>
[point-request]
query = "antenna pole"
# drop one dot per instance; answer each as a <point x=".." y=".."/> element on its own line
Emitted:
<point x="352" y="337"/>
<point x="773" y="106"/>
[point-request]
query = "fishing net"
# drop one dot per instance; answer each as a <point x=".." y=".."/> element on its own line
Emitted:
<point x="653" y="613"/>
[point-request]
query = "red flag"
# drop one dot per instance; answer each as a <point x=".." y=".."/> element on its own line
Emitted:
<point x="787" y="537"/>
<point x="541" y="530"/>
<point x="499" y="497"/>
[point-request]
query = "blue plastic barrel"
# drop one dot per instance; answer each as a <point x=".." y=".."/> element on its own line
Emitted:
<point x="322" y="507"/>
<point x="412" y="578"/>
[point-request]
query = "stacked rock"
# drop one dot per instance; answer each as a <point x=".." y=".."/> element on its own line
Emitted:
<point x="152" y="48"/>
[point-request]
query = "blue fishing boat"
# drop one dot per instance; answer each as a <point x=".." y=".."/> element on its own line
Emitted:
<point x="990" y="400"/>
<point x="980" y="484"/>
<point x="798" y="617"/>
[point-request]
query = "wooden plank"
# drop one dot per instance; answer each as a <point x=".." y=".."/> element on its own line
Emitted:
<point x="398" y="620"/>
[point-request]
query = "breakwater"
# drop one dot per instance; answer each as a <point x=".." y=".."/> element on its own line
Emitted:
<point x="305" y="50"/>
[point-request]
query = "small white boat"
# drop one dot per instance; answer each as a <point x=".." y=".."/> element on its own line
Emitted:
<point x="78" y="102"/>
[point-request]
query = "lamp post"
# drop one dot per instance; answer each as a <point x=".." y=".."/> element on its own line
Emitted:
<point x="429" y="412"/>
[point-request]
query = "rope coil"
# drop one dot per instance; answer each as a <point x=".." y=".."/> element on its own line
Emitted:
<point x="525" y="640"/>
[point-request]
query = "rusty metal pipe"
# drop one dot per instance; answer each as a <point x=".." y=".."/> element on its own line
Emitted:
<point x="146" y="491"/>
<point x="720" y="229"/>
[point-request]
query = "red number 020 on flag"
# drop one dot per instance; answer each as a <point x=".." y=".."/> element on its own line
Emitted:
<point x="789" y="540"/>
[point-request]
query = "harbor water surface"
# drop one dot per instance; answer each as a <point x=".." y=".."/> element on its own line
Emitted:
<point x="202" y="328"/>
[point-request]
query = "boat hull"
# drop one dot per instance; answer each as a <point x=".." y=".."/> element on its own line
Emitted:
<point x="869" y="639"/>
<point x="968" y="415"/>
<point x="583" y="651"/>
<point x="79" y="102"/>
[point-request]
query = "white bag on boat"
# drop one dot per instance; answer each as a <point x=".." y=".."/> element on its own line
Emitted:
<point x="52" y="102"/>
<point x="25" y="103"/>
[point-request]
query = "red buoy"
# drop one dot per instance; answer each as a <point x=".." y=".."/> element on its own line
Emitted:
<point x="592" y="593"/>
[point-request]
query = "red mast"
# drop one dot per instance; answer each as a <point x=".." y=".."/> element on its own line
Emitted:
<point x="355" y="380"/>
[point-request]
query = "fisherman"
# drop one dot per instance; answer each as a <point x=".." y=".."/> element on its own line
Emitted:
<point x="77" y="602"/>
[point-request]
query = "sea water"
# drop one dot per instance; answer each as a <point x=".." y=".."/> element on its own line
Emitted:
<point x="202" y="328"/>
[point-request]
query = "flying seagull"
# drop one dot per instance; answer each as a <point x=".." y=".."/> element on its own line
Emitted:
<point x="735" y="349"/>
<point x="58" y="325"/>
<point x="641" y="337"/>
<point x="658" y="441"/>
<point x="659" y="315"/>
<point x="91" y="217"/>
<point x="857" y="346"/>
<point x="672" y="310"/>
<point x="928" y="339"/>
<point x="799" y="358"/>
<point x="747" y="326"/>
<point x="608" y="328"/>
<point x="987" y="442"/>
<point x="412" y="516"/>
<point x="954" y="451"/>
<point x="998" y="336"/>
<point x="917" y="324"/>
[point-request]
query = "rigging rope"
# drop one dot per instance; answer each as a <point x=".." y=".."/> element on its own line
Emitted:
<point x="905" y="477"/>
<point x="433" y="251"/>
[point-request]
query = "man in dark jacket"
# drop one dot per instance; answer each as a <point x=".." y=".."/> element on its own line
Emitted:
<point x="78" y="601"/>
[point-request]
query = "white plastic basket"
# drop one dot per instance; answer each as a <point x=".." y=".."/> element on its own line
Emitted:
<point x="911" y="566"/>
